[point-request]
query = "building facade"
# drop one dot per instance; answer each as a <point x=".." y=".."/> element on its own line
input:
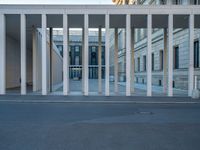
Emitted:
<point x="75" y="52"/>
<point x="180" y="50"/>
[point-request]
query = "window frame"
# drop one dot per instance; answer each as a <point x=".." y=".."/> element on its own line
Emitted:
<point x="196" y="57"/>
<point x="176" y="60"/>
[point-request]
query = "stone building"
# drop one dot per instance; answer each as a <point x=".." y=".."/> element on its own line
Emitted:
<point x="75" y="52"/>
<point x="180" y="52"/>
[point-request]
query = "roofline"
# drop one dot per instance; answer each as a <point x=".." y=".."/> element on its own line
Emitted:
<point x="97" y="9"/>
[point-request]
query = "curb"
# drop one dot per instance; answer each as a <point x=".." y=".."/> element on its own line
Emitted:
<point x="111" y="102"/>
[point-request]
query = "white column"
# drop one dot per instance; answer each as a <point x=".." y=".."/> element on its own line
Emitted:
<point x="83" y="61"/>
<point x="132" y="59"/>
<point x="23" y="53"/>
<point x="68" y="61"/>
<point x="128" y="55"/>
<point x="85" y="54"/>
<point x="191" y="56"/>
<point x="34" y="55"/>
<point x="107" y="55"/>
<point x="44" y="55"/>
<point x="100" y="63"/>
<point x="39" y="60"/>
<point x="50" y="72"/>
<point x="149" y="58"/>
<point x="65" y="56"/>
<point x="3" y="55"/>
<point x="165" y="62"/>
<point x="116" y="62"/>
<point x="170" y="55"/>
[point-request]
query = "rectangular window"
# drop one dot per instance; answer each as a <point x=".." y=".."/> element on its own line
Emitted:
<point x="138" y="64"/>
<point x="160" y="82"/>
<point x="144" y="63"/>
<point x="177" y="2"/>
<point x="93" y="49"/>
<point x="196" y="2"/>
<point x="161" y="59"/>
<point x="77" y="62"/>
<point x="196" y="54"/>
<point x="152" y="59"/>
<point x="135" y="65"/>
<point x="77" y="49"/>
<point x="143" y="81"/>
<point x="136" y="79"/>
<point x="176" y="57"/>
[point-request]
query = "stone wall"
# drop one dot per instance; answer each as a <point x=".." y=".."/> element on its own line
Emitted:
<point x="181" y="39"/>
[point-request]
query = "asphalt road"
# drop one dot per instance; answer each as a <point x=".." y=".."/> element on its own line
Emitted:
<point x="99" y="126"/>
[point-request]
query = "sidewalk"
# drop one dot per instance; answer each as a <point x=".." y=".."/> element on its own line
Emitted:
<point x="157" y="89"/>
<point x="95" y="99"/>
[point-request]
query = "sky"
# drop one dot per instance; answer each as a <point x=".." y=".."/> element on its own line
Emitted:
<point x="55" y="1"/>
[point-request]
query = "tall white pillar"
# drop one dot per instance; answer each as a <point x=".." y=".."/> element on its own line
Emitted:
<point x="128" y="55"/>
<point x="165" y="62"/>
<point x="86" y="55"/>
<point x="34" y="57"/>
<point x="39" y="60"/>
<point x="116" y="62"/>
<point x="100" y="63"/>
<point x="149" y="58"/>
<point x="3" y="55"/>
<point x="23" y="53"/>
<point x="107" y="55"/>
<point x="50" y="72"/>
<point x="44" y="55"/>
<point x="191" y="56"/>
<point x="83" y="60"/>
<point x="132" y="59"/>
<point x="65" y="56"/>
<point x="170" y="55"/>
<point x="68" y="61"/>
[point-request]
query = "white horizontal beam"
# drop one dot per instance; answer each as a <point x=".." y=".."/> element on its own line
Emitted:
<point x="99" y="9"/>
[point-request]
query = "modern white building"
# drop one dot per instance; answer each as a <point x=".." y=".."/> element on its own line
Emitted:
<point x="28" y="54"/>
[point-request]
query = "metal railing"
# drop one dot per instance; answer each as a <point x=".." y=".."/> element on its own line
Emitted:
<point x="75" y="72"/>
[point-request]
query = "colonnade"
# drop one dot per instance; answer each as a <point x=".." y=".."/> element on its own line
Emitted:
<point x="168" y="48"/>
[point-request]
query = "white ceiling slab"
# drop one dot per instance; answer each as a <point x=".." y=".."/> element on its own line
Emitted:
<point x="95" y="20"/>
<point x="160" y="21"/>
<point x="139" y="21"/>
<point x="181" y="21"/>
<point x="117" y="21"/>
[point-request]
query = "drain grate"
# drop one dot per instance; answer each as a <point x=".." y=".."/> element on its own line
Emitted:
<point x="145" y="113"/>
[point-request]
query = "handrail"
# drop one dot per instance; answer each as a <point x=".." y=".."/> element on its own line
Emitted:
<point x="88" y="66"/>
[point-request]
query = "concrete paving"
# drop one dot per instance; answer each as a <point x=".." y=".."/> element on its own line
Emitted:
<point x="99" y="126"/>
<point x="76" y="89"/>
